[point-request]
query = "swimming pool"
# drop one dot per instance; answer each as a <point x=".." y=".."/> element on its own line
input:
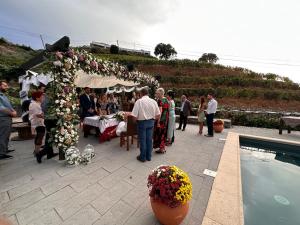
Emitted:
<point x="270" y="182"/>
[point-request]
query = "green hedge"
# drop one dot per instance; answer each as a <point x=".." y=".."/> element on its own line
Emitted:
<point x="249" y="93"/>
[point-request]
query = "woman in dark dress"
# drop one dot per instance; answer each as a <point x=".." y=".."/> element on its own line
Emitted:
<point x="161" y="129"/>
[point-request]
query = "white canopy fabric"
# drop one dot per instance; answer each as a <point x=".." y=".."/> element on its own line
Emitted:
<point x="98" y="81"/>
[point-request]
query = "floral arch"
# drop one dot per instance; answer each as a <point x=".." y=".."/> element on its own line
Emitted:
<point x="63" y="106"/>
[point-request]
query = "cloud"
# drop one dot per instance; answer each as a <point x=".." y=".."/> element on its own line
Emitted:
<point x="83" y="21"/>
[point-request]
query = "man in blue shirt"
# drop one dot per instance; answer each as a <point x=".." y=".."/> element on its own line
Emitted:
<point x="6" y="114"/>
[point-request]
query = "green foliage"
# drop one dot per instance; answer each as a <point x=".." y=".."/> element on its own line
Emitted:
<point x="114" y="49"/>
<point x="164" y="51"/>
<point x="209" y="58"/>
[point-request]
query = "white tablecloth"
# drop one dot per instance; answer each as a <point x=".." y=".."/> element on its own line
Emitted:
<point x="102" y="124"/>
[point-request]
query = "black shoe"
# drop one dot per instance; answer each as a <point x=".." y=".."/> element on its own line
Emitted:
<point x="52" y="155"/>
<point x="39" y="156"/>
<point x="179" y="128"/>
<point x="207" y="135"/>
<point x="139" y="158"/>
<point x="12" y="150"/>
<point x="183" y="129"/>
<point x="6" y="157"/>
<point x="160" y="151"/>
<point x="148" y="159"/>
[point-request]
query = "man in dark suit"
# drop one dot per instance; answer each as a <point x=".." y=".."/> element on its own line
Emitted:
<point x="87" y="103"/>
<point x="185" y="111"/>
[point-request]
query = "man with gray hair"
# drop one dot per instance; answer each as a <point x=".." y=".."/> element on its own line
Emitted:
<point x="145" y="111"/>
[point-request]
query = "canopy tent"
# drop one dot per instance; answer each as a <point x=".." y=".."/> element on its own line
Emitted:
<point x="97" y="81"/>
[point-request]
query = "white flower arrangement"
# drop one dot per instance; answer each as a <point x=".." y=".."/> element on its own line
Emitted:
<point x="74" y="157"/>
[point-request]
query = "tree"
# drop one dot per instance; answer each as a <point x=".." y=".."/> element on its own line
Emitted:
<point x="114" y="49"/>
<point x="209" y="58"/>
<point x="164" y="51"/>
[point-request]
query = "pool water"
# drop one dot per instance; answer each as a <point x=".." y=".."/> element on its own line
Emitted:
<point x="270" y="182"/>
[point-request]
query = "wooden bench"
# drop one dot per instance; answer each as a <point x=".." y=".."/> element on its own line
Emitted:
<point x="24" y="131"/>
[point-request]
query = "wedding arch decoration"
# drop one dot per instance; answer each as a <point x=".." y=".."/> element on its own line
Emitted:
<point x="63" y="97"/>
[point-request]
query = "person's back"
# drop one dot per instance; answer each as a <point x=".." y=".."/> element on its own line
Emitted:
<point x="146" y="108"/>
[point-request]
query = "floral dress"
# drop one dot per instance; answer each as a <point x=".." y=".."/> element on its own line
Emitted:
<point x="160" y="133"/>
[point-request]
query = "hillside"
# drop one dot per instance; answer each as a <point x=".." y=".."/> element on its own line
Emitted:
<point x="12" y="56"/>
<point x="236" y="88"/>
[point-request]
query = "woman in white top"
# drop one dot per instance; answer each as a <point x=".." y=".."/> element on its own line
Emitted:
<point x="36" y="118"/>
<point x="172" y="118"/>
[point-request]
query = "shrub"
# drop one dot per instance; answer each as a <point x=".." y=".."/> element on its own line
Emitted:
<point x="114" y="49"/>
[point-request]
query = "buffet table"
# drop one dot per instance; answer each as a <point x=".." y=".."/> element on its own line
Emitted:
<point x="105" y="125"/>
<point x="289" y="122"/>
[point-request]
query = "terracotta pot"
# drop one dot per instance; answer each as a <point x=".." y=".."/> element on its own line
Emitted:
<point x="218" y="128"/>
<point x="167" y="215"/>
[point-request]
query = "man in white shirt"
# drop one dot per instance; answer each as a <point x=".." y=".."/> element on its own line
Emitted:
<point x="210" y="113"/>
<point x="145" y="111"/>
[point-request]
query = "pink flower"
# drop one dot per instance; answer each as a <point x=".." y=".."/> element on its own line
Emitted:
<point x="59" y="55"/>
<point x="94" y="65"/>
<point x="80" y="58"/>
<point x="70" y="53"/>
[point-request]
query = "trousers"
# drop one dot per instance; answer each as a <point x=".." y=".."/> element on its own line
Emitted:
<point x="5" y="129"/>
<point x="210" y="121"/>
<point x="145" y="133"/>
<point x="182" y="120"/>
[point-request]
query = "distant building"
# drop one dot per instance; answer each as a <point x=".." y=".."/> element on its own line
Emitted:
<point x="101" y="45"/>
<point x="95" y="44"/>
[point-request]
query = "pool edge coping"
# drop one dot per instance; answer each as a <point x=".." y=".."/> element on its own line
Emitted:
<point x="225" y="205"/>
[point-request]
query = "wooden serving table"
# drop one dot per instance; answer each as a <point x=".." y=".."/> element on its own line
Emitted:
<point x="289" y="122"/>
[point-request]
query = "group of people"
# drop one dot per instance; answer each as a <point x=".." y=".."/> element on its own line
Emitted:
<point x="36" y="108"/>
<point x="156" y="120"/>
<point x="90" y="105"/>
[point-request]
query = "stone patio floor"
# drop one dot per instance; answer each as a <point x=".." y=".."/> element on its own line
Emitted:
<point x="112" y="189"/>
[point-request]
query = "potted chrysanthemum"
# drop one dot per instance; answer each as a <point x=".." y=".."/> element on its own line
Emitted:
<point x="170" y="191"/>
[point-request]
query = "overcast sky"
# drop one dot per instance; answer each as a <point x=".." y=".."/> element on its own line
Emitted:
<point x="262" y="35"/>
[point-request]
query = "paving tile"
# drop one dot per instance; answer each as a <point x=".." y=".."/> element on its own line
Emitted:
<point x="66" y="170"/>
<point x="117" y="215"/>
<point x="136" y="196"/>
<point x="81" y="184"/>
<point x="14" y="183"/>
<point x="20" y="203"/>
<point x="35" y="183"/>
<point x="194" y="221"/>
<point x="200" y="204"/>
<point x="45" y="205"/>
<point x="13" y="220"/>
<point x="50" y="218"/>
<point x="143" y="216"/>
<point x="114" y="178"/>
<point x="61" y="182"/>
<point x="3" y="198"/>
<point x="227" y="183"/>
<point x="73" y="205"/>
<point x="139" y="176"/>
<point x="208" y="221"/>
<point x="110" y="197"/>
<point x="113" y="165"/>
<point x="223" y="208"/>
<point x="95" y="165"/>
<point x="197" y="184"/>
<point x="86" y="216"/>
